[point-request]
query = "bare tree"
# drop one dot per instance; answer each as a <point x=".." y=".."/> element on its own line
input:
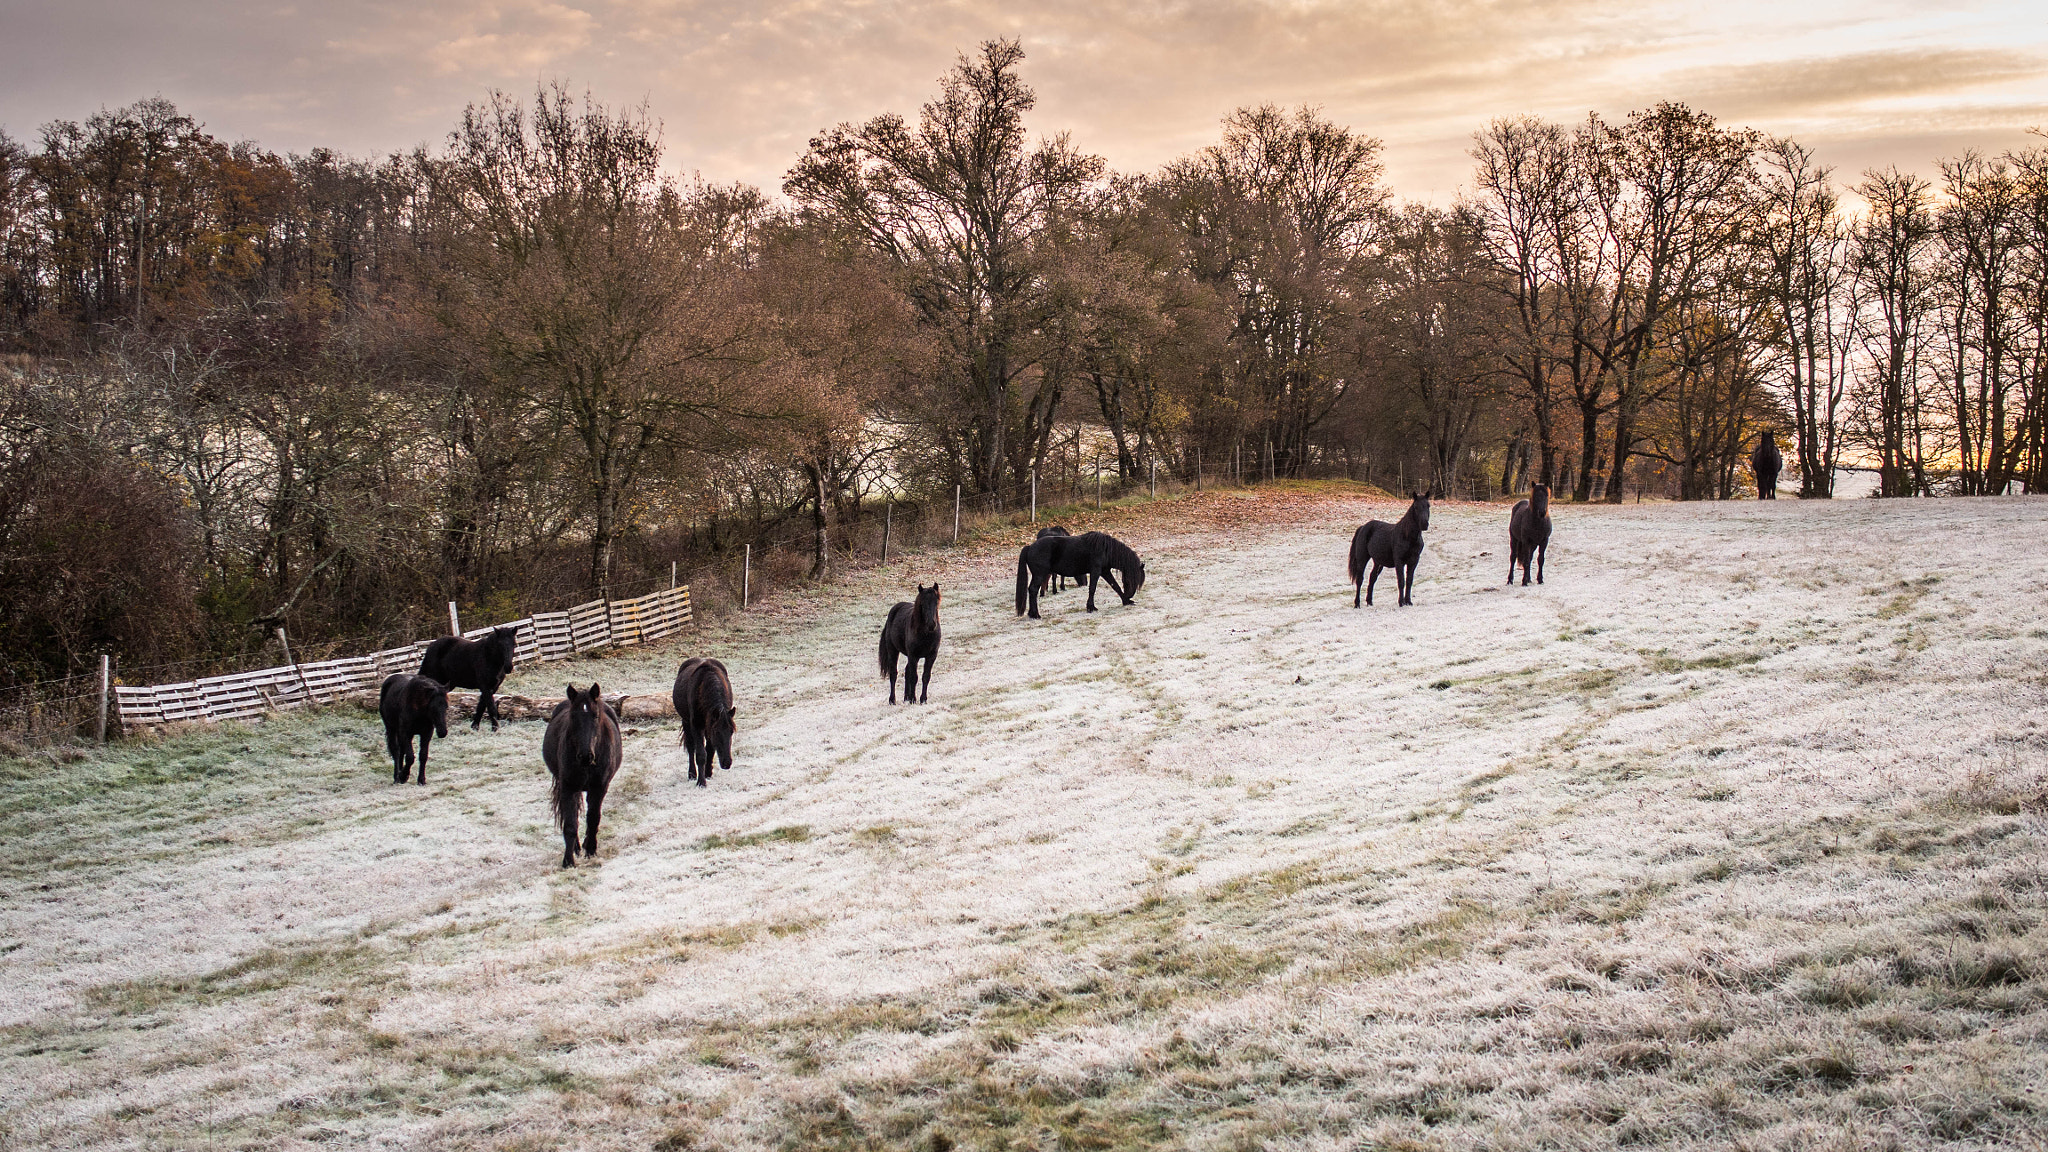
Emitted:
<point x="1892" y="247"/>
<point x="1808" y="278"/>
<point x="958" y="204"/>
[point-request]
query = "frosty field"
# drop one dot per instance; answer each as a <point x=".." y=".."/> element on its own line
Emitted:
<point x="1728" y="835"/>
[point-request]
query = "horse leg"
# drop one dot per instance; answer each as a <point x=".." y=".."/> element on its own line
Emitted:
<point x="1540" y="550"/>
<point x="1404" y="577"/>
<point x="425" y="738"/>
<point x="1110" y="576"/>
<point x="892" y="676"/>
<point x="1037" y="585"/>
<point x="476" y="718"/>
<point x="398" y="756"/>
<point x="490" y="700"/>
<point x="590" y="822"/>
<point x="1512" y="550"/>
<point x="569" y="829"/>
<point x="1372" y="579"/>
<point x="924" y="690"/>
<point x="1093" y="575"/>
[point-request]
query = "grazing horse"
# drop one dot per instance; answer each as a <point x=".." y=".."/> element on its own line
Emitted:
<point x="411" y="706"/>
<point x="1765" y="463"/>
<point x="1059" y="582"/>
<point x="1396" y="546"/>
<point x="703" y="699"/>
<point x="1529" y="533"/>
<point x="1091" y="554"/>
<point x="479" y="664"/>
<point x="912" y="630"/>
<point x="582" y="750"/>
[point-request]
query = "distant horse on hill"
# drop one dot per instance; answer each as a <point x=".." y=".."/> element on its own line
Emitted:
<point x="1529" y="533"/>
<point x="411" y="706"/>
<point x="1397" y="546"/>
<point x="479" y="664"/>
<point x="1092" y="554"/>
<point x="1765" y="463"/>
<point x="912" y="630"/>
<point x="703" y="699"/>
<point x="582" y="749"/>
<point x="1059" y="582"/>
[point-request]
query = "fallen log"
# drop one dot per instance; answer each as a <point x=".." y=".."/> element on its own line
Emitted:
<point x="462" y="704"/>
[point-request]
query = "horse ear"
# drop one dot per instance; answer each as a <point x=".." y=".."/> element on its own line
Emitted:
<point x="595" y="691"/>
<point x="572" y="692"/>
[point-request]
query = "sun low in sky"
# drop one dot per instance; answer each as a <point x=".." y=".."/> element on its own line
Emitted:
<point x="740" y="87"/>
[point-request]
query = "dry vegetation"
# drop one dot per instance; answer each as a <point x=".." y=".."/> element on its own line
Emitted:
<point x="1704" y="843"/>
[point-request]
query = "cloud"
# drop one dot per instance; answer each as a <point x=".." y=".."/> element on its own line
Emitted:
<point x="741" y="86"/>
<point x="1811" y="85"/>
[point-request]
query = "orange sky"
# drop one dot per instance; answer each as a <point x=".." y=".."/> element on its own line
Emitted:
<point x="741" y="86"/>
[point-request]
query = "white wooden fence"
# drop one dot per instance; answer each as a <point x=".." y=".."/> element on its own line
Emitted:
<point x="543" y="636"/>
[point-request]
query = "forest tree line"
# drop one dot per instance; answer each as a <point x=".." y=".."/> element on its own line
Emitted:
<point x="244" y="389"/>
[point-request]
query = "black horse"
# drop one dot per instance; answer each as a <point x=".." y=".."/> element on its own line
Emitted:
<point x="912" y="630"/>
<point x="479" y="664"/>
<point x="1529" y="533"/>
<point x="1091" y="554"/>
<point x="1396" y="546"/>
<point x="1765" y="463"/>
<point x="582" y="750"/>
<point x="1059" y="582"/>
<point x="411" y="706"/>
<point x="703" y="699"/>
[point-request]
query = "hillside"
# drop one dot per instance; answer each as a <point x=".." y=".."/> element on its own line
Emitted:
<point x="1730" y="831"/>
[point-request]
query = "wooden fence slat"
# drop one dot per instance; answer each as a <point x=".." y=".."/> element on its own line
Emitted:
<point x="542" y="636"/>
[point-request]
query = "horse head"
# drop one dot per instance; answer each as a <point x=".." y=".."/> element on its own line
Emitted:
<point x="585" y="727"/>
<point x="928" y="606"/>
<point x="505" y="641"/>
<point x="1419" y="511"/>
<point x="431" y="697"/>
<point x="1134" y="577"/>
<point x="1539" y="499"/>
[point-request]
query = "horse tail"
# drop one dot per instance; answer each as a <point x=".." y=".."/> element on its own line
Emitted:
<point x="1023" y="579"/>
<point x="564" y="799"/>
<point x="1357" y="560"/>
<point x="886" y="651"/>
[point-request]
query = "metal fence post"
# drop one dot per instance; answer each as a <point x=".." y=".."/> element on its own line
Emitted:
<point x="746" y="577"/>
<point x="1198" y="469"/>
<point x="888" y="513"/>
<point x="956" y="513"/>
<point x="454" y="621"/>
<point x="105" y="687"/>
<point x="1034" y="495"/>
<point x="1098" y="485"/>
<point x="672" y="573"/>
<point x="1153" y="480"/>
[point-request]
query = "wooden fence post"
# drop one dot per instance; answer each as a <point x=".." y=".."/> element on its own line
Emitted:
<point x="956" y="513"/>
<point x="672" y="574"/>
<point x="1034" y="495"/>
<point x="106" y="682"/>
<point x="1098" y="484"/>
<point x="454" y="621"/>
<point x="1152" y="481"/>
<point x="1198" y="469"/>
<point x="746" y="577"/>
<point x="299" y="672"/>
<point x="888" y="514"/>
